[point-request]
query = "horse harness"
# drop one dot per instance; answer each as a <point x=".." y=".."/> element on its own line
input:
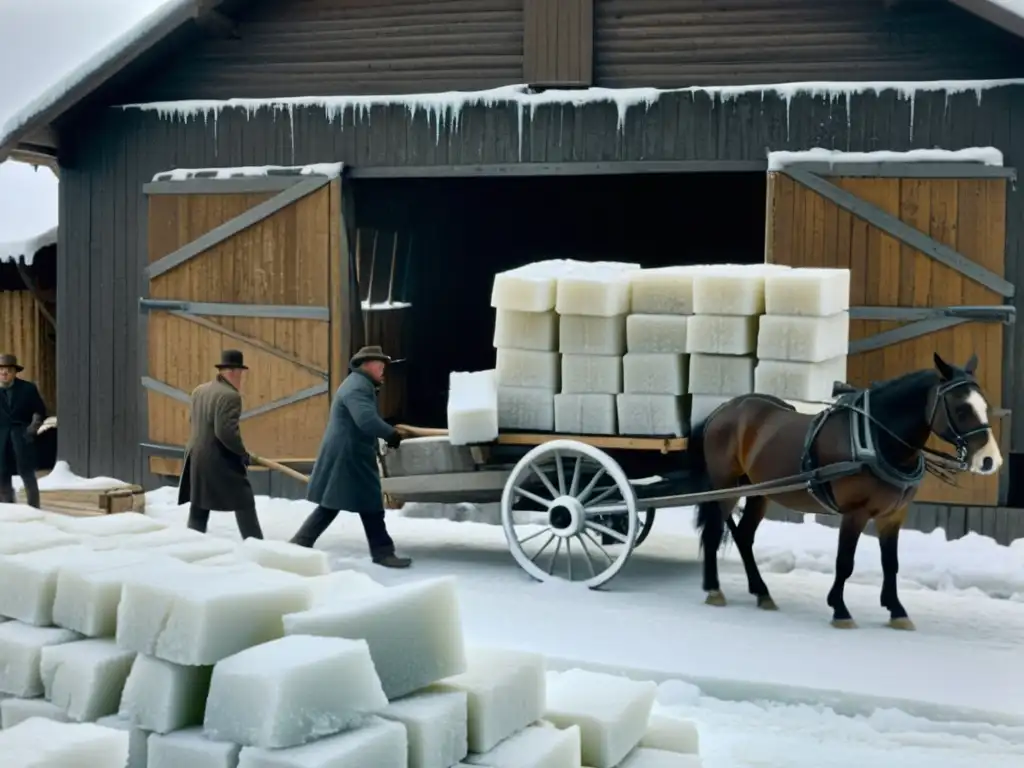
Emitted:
<point x="863" y="442"/>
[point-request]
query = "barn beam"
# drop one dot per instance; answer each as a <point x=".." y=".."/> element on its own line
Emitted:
<point x="166" y="390"/>
<point x="904" y="333"/>
<point x="900" y="170"/>
<point x="284" y="402"/>
<point x="988" y="313"/>
<point x="241" y="185"/>
<point x="229" y="309"/>
<point x="233" y="226"/>
<point x="905" y="233"/>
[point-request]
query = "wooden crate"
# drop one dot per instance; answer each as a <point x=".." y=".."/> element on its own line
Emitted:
<point x="93" y="501"/>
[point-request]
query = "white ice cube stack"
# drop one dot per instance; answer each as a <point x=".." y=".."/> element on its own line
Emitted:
<point x="128" y="649"/>
<point x="804" y="335"/>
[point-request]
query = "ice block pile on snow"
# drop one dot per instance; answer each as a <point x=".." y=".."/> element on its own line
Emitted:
<point x="472" y="407"/>
<point x="804" y="334"/>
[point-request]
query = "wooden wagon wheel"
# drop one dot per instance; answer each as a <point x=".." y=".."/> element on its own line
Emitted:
<point x="558" y="481"/>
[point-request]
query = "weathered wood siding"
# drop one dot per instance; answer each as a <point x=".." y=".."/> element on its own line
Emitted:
<point x="558" y="42"/>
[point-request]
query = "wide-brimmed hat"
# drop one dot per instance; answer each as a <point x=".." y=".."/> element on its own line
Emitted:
<point x="11" y="361"/>
<point x="232" y="358"/>
<point x="368" y="354"/>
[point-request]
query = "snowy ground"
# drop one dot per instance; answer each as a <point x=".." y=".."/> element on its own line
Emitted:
<point x="775" y="689"/>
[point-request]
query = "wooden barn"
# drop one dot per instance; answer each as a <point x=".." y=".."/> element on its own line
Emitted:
<point x="296" y="178"/>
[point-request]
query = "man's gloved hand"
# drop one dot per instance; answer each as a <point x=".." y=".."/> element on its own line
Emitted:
<point x="394" y="440"/>
<point x="33" y="428"/>
<point x="247" y="460"/>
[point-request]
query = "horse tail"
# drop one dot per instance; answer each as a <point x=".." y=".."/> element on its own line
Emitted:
<point x="709" y="513"/>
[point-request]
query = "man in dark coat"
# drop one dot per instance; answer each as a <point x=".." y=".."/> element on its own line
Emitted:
<point x="346" y="475"/>
<point x="214" y="475"/>
<point x="22" y="411"/>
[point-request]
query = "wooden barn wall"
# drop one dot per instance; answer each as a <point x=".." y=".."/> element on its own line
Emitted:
<point x="102" y="240"/>
<point x="672" y="43"/>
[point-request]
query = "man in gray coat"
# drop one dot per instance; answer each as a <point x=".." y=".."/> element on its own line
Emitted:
<point x="345" y="475"/>
<point x="214" y="475"/>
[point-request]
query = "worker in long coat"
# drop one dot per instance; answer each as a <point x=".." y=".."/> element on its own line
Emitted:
<point x="22" y="411"/>
<point x="215" y="474"/>
<point x="346" y="476"/>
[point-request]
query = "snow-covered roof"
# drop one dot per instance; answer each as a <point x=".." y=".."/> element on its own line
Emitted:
<point x="981" y="155"/>
<point x="250" y="171"/>
<point x="28" y="210"/>
<point x="1008" y="14"/>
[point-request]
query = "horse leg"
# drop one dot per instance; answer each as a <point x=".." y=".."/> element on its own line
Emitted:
<point x="743" y="535"/>
<point x="888" y="543"/>
<point x="711" y="521"/>
<point x="850" y="529"/>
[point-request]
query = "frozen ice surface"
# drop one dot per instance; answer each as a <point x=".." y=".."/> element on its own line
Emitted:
<point x="85" y="678"/>
<point x="107" y="525"/>
<point x="378" y="743"/>
<point x="341" y="585"/>
<point x="28" y="582"/>
<point x="42" y="743"/>
<point x="526" y="330"/>
<point x="291" y="691"/>
<point x="435" y="722"/>
<point x="730" y="375"/>
<point x="648" y="373"/>
<point x="160" y="538"/>
<point x="189" y="748"/>
<point x="232" y="558"/>
<point x="202" y="616"/>
<point x="20" y="650"/>
<point x="472" y="407"/>
<point x="14" y="711"/>
<point x="611" y="711"/>
<point x="138" y="749"/>
<point x="591" y="374"/>
<point x="672" y="734"/>
<point x="89" y="591"/>
<point x="645" y="757"/>
<point x="656" y="333"/>
<point x="599" y="289"/>
<point x="731" y="289"/>
<point x="414" y="631"/>
<point x="664" y="291"/>
<point x="721" y="335"/>
<point x="526" y="408"/>
<point x="702" y="406"/>
<point x="589" y="335"/>
<point x="32" y="535"/>
<point x="799" y="381"/>
<point x="815" y="291"/>
<point x="282" y="556"/>
<point x="803" y="339"/>
<point x="162" y="697"/>
<point x="19" y="513"/>
<point x="586" y="414"/>
<point x="529" y="288"/>
<point x="428" y="456"/>
<point x="525" y="368"/>
<point x="658" y="415"/>
<point x="505" y="691"/>
<point x="534" y="747"/>
<point x="192" y="551"/>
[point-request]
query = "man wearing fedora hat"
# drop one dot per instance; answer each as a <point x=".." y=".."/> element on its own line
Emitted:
<point x="345" y="475"/>
<point x="214" y="475"/>
<point x="22" y="411"/>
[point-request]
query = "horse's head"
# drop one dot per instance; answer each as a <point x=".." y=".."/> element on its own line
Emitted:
<point x="959" y="415"/>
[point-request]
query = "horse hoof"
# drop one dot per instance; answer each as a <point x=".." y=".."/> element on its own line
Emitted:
<point x="766" y="604"/>
<point x="903" y="623"/>
<point x="844" y="623"/>
<point x="715" y="598"/>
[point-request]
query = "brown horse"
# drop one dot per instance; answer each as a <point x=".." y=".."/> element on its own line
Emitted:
<point x="758" y="438"/>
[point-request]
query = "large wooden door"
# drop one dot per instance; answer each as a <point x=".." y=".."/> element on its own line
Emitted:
<point x="925" y="244"/>
<point x="256" y="264"/>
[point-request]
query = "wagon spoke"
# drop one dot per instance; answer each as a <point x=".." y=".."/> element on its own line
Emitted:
<point x="574" y="486"/>
<point x="588" y="558"/>
<point x="561" y="473"/>
<point x="534" y="535"/>
<point x="554" y="556"/>
<point x="544" y="479"/>
<point x="540" y="551"/>
<point x="568" y="556"/>
<point x="589" y="489"/>
<point x="545" y="503"/>
<point x="604" y="530"/>
<point x="600" y="549"/>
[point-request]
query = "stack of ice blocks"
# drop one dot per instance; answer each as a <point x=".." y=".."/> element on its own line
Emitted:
<point x="722" y="337"/>
<point x="592" y="303"/>
<point x="653" y="401"/>
<point x="804" y="335"/>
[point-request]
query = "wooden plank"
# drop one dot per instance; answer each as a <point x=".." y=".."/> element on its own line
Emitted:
<point x="892" y="226"/>
<point x="234" y="226"/>
<point x="606" y="442"/>
<point x="337" y="278"/>
<point x="892" y="169"/>
<point x="600" y="168"/>
<point x="232" y="186"/>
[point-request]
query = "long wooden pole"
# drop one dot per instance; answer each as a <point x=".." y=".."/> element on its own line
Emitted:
<point x="271" y="464"/>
